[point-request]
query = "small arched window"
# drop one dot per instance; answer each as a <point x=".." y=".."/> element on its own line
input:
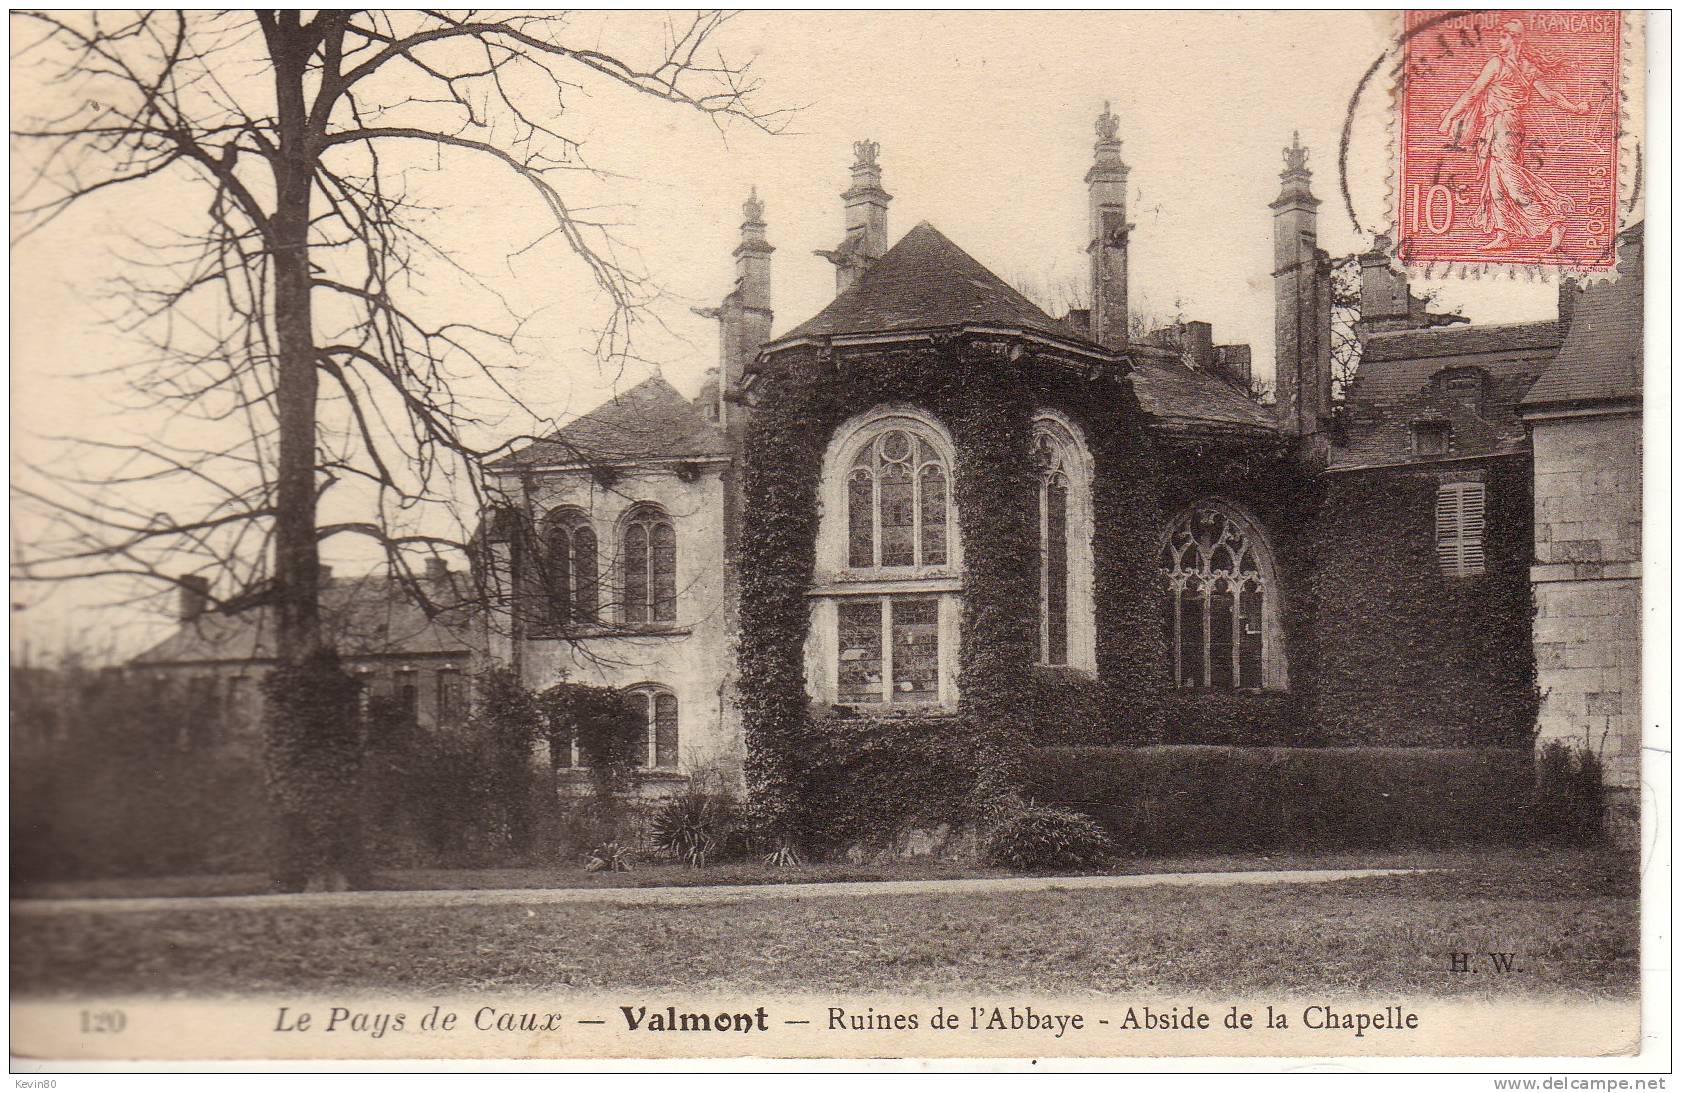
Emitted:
<point x="1221" y="617"/>
<point x="571" y="569"/>
<point x="1066" y="619"/>
<point x="649" y="563"/>
<point x="1053" y="551"/>
<point x="897" y="515"/>
<point x="656" y="710"/>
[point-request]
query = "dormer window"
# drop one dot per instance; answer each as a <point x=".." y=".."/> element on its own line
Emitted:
<point x="1466" y="386"/>
<point x="1431" y="437"/>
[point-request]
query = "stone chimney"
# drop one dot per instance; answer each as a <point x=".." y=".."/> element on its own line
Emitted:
<point x="744" y="317"/>
<point x="193" y="597"/>
<point x="1196" y="342"/>
<point x="1106" y="188"/>
<point x="1301" y="301"/>
<point x="866" y="218"/>
<point x="1569" y="295"/>
<point x="1233" y="362"/>
<point x="437" y="570"/>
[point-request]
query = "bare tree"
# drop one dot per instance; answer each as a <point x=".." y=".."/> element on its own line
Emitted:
<point x="289" y="323"/>
<point x="1345" y="316"/>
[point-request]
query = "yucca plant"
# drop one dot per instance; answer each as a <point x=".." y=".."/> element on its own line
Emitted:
<point x="692" y="828"/>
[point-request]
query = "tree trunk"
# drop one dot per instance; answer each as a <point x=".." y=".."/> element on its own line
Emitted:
<point x="312" y="734"/>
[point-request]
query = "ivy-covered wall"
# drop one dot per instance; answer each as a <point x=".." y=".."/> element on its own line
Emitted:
<point x="987" y="402"/>
<point x="1408" y="655"/>
<point x="1267" y="479"/>
<point x="1382" y="649"/>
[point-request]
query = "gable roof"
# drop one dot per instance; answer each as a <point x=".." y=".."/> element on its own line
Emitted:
<point x="926" y="282"/>
<point x="1177" y="396"/>
<point x="362" y="616"/>
<point x="1395" y="388"/>
<point x="1601" y="358"/>
<point x="649" y="421"/>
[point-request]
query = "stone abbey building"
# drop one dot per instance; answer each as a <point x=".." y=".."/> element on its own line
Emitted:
<point x="934" y="526"/>
<point x="935" y="510"/>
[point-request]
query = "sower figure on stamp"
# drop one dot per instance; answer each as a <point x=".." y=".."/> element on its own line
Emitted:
<point x="1515" y="200"/>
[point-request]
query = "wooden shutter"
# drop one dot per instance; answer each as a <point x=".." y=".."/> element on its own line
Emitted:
<point x="1460" y="519"/>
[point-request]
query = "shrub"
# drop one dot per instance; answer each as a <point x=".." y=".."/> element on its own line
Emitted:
<point x="1041" y="837"/>
<point x="1569" y="802"/>
<point x="1186" y="797"/>
<point x="697" y="828"/>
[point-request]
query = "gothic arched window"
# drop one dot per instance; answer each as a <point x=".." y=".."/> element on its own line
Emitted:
<point x="897" y="514"/>
<point x="649" y="565"/>
<point x="887" y="591"/>
<point x="571" y="568"/>
<point x="1066" y="619"/>
<point x="1220" y="617"/>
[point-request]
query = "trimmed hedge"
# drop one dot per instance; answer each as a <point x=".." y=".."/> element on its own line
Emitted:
<point x="1167" y="799"/>
<point x="873" y="779"/>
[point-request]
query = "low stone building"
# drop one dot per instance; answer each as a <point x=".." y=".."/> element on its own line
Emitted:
<point x="420" y="662"/>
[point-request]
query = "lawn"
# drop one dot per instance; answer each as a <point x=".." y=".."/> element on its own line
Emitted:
<point x="1571" y="918"/>
<point x="662" y="874"/>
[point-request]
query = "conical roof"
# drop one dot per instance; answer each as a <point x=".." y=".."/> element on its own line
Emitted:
<point x="926" y="282"/>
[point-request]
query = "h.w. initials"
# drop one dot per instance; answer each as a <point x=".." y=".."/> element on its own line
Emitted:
<point x="1499" y="963"/>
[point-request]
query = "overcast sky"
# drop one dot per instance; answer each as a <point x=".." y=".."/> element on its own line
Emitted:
<point x="985" y="126"/>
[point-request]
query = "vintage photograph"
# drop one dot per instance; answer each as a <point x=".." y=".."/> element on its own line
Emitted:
<point x="839" y="535"/>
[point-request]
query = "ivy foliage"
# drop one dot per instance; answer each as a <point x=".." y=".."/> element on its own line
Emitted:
<point x="987" y="402"/>
<point x="1408" y="654"/>
<point x="609" y="732"/>
<point x="313" y="760"/>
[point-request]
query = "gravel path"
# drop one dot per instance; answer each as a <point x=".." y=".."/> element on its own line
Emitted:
<point x="699" y="894"/>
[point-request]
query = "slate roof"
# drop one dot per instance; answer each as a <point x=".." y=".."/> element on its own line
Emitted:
<point x="1396" y="387"/>
<point x="926" y="282"/>
<point x="1601" y="358"/>
<point x="1177" y="396"/>
<point x="362" y="616"/>
<point x="1456" y="341"/>
<point x="649" y="421"/>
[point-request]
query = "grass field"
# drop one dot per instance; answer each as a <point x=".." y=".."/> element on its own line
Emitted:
<point x="1571" y="918"/>
<point x="657" y="874"/>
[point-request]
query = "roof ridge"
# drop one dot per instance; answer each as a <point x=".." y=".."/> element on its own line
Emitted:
<point x="926" y="281"/>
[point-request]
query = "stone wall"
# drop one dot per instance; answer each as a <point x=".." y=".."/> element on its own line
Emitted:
<point x="1587" y="587"/>
<point x="691" y="655"/>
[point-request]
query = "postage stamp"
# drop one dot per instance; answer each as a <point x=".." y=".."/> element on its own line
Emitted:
<point x="1508" y="133"/>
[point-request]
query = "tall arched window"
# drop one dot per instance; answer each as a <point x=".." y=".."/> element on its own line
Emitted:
<point x="1066" y="619"/>
<point x="649" y="563"/>
<point x="571" y="568"/>
<point x="886" y="599"/>
<point x="1221" y="616"/>
<point x="656" y="708"/>
<point x="896" y="503"/>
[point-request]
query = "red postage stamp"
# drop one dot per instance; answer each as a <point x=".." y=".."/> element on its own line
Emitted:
<point x="1508" y="138"/>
